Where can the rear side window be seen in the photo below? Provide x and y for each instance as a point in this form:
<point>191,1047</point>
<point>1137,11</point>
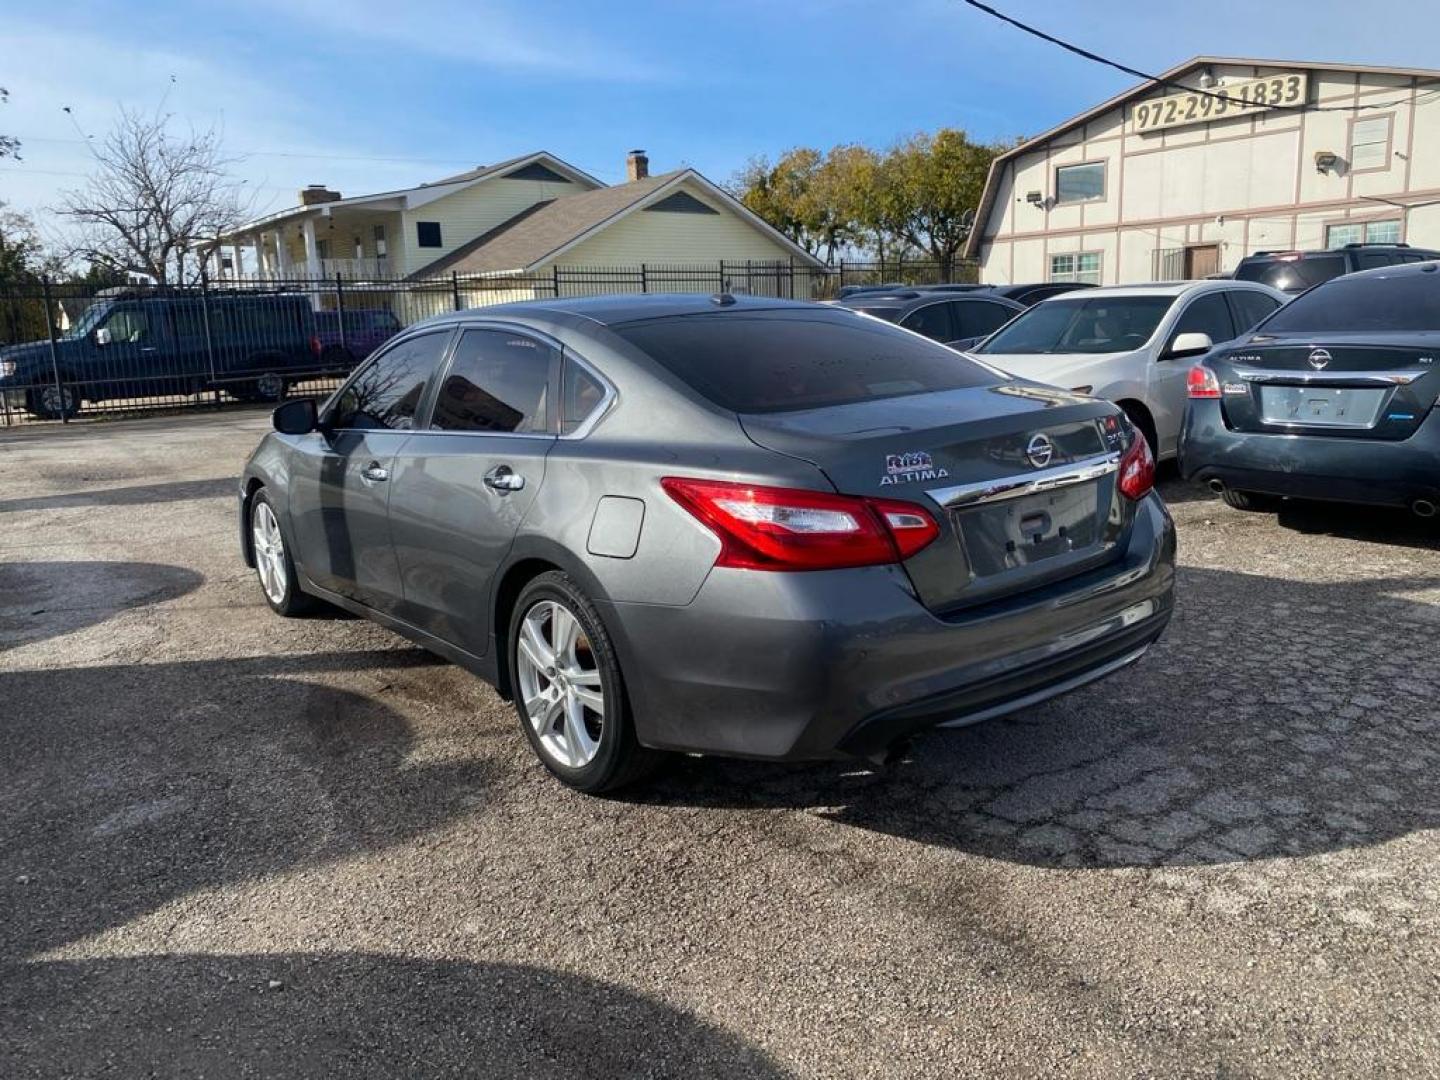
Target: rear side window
<point>388,390</point>
<point>581,395</point>
<point>789,359</point>
<point>1407,301</point>
<point>1291,275</point>
<point>498,382</point>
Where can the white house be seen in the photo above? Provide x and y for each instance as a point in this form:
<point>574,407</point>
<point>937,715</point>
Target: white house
<point>1183,177</point>
<point>523,216</point>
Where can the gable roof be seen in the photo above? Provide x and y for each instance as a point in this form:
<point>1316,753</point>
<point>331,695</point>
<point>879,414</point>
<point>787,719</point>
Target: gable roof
<point>547,229</point>
<point>987,198</point>
<point>431,190</point>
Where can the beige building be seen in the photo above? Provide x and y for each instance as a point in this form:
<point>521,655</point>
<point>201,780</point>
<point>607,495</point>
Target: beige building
<point>1220,158</point>
<point>525,217</point>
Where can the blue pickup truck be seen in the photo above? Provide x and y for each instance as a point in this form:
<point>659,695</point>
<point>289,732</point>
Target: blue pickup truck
<point>134,343</point>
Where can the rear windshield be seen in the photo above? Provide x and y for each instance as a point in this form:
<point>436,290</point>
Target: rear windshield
<point>1100,324</point>
<point>789,359</point>
<point>1291,275</point>
<point>1405,301</point>
<point>889,314</point>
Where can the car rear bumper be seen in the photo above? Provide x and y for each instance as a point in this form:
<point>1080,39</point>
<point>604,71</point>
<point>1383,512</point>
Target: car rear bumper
<point>1380,472</point>
<point>819,665</point>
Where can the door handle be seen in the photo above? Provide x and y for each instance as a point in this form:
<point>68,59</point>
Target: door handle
<point>375,472</point>
<point>504,480</point>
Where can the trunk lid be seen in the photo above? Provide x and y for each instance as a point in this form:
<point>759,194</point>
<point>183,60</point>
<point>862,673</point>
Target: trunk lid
<point>1346,386</point>
<point>1020,477</point>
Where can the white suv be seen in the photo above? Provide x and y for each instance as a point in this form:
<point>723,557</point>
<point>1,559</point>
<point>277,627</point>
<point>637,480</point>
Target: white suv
<point>1132,344</point>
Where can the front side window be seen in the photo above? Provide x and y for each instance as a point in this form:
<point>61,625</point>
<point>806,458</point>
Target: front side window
<point>1208,314</point>
<point>1250,307</point>
<point>387,392</point>
<point>932,320</point>
<point>1096,325</point>
<point>1402,301</point>
<point>1080,183</point>
<point>497,382</point>
<point>1370,143</point>
<point>128,326</point>
<point>1082,267</point>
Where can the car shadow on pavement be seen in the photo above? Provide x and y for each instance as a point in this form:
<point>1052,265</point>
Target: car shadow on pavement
<point>136,495</point>
<point>40,600</point>
<point>351,1015</point>
<point>1372,524</point>
<point>1276,719</point>
<point>127,786</point>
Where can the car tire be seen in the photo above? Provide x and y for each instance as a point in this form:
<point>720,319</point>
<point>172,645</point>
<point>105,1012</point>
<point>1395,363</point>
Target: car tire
<point>269,387</point>
<point>1145,425</point>
<point>1249,501</point>
<point>274,567</point>
<point>49,403</point>
<point>568,689</point>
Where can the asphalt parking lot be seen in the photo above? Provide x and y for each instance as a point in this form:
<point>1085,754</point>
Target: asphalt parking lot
<point>232,844</point>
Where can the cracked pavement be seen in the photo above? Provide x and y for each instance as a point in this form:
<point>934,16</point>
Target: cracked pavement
<point>237,845</point>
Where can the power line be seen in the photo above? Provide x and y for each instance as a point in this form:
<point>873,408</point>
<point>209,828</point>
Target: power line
<point>1159,81</point>
<point>285,153</point>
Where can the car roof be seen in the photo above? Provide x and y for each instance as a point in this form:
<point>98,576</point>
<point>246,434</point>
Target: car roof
<point>920,296</point>
<point>617,308</point>
<point>1160,288</point>
<point>1399,270</point>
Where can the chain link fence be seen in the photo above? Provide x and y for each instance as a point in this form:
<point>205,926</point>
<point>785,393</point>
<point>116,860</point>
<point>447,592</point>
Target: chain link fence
<point>75,352</point>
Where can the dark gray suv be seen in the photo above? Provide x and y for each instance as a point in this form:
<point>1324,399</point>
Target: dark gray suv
<point>726,526</point>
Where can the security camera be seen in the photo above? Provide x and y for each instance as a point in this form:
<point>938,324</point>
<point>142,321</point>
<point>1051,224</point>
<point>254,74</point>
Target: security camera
<point>1325,160</point>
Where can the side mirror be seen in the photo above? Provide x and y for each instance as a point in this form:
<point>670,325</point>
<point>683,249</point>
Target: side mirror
<point>102,336</point>
<point>1189,344</point>
<point>298,417</point>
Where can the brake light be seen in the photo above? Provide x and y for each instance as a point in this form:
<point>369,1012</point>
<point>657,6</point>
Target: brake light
<point>1137,468</point>
<point>316,346</point>
<point>774,528</point>
<point>1200,382</point>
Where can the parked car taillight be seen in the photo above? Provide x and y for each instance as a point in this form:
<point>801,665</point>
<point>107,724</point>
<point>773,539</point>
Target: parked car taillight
<point>1201,382</point>
<point>1137,468</point>
<point>316,346</point>
<point>772,528</point>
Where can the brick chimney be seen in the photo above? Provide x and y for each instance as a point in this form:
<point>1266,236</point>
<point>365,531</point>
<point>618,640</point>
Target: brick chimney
<point>316,194</point>
<point>637,165</point>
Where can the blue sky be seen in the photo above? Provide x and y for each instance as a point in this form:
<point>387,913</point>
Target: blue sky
<point>366,96</point>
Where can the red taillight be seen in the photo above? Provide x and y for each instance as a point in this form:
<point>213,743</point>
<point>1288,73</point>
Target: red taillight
<point>1137,468</point>
<point>316,346</point>
<point>772,528</point>
<point>1201,382</point>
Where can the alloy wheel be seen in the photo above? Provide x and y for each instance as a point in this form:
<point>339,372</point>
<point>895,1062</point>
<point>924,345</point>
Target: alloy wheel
<point>58,401</point>
<point>560,684</point>
<point>269,552</point>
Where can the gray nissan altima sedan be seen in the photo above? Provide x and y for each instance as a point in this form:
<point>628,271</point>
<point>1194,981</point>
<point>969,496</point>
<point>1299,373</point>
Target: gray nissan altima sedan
<point>721,525</point>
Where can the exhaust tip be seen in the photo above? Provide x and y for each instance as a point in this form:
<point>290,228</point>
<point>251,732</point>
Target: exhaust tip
<point>1423,508</point>
<point>1217,486</point>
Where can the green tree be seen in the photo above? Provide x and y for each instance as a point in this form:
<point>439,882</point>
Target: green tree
<point>928,189</point>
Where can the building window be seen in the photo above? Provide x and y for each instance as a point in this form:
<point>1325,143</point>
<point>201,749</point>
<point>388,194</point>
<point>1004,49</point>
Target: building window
<point>1080,183</point>
<point>1083,267</point>
<point>427,234</point>
<point>379,235</point>
<point>1362,232</point>
<point>322,249</point>
<point>1370,144</point>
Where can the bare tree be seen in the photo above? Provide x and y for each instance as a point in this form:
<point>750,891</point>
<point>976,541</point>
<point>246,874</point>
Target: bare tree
<point>156,200</point>
<point>9,145</point>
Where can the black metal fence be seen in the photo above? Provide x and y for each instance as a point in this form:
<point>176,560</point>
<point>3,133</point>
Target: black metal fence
<point>71,351</point>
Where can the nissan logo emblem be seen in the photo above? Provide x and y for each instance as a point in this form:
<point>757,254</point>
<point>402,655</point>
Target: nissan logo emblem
<point>1319,358</point>
<point>1039,450</point>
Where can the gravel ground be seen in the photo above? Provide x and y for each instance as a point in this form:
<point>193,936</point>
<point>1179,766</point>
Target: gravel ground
<point>232,844</point>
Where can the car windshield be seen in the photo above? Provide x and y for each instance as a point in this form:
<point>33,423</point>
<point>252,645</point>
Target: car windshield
<point>1292,274</point>
<point>87,322</point>
<point>1095,324</point>
<point>1408,302</point>
<point>800,358</point>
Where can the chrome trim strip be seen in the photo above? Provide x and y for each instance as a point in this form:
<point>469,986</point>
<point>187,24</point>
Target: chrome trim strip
<point>1303,378</point>
<point>1014,487</point>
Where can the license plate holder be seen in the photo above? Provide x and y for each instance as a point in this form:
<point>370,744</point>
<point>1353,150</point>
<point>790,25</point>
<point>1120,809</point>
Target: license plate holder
<point>1024,531</point>
<point>1321,406</point>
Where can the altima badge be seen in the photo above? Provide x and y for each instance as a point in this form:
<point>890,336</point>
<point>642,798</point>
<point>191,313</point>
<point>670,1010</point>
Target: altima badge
<point>1039,450</point>
<point>1319,358</point>
<point>911,466</point>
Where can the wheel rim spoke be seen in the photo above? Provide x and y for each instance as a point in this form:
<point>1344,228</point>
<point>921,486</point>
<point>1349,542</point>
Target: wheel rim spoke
<point>578,742</point>
<point>269,553</point>
<point>560,689</point>
<point>591,699</point>
<point>564,632</point>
